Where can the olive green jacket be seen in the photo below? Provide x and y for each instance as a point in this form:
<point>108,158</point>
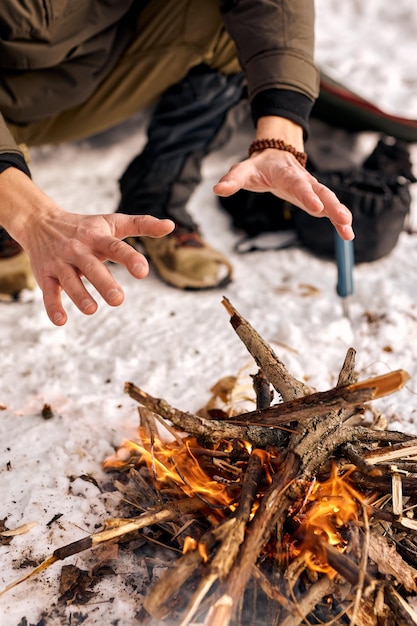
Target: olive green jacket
<point>53,53</point>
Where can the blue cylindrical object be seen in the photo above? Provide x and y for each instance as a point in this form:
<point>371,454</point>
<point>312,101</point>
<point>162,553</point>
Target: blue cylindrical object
<point>345,262</point>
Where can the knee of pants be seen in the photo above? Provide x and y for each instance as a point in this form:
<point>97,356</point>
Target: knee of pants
<point>194,24</point>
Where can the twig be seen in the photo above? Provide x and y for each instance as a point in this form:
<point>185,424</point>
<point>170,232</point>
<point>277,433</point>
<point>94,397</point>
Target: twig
<point>344,565</point>
<point>171,511</point>
<point>350,453</point>
<point>362,568</point>
<point>275,371</point>
<point>226,554</point>
<point>262,390</point>
<point>274,503</point>
<point>323,587</point>
<point>271,591</point>
<point>210,430</point>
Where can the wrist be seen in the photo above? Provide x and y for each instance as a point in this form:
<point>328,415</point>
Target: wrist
<point>259,145</point>
<point>22,203</point>
<point>274,127</point>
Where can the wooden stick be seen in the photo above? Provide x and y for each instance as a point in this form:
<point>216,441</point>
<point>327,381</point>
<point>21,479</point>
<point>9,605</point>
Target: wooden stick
<point>400,451</point>
<point>157,597</point>
<point>314,405</point>
<point>171,511</point>
<point>271,590</point>
<point>367,435</point>
<point>274,504</point>
<point>262,390</point>
<point>226,554</point>
<point>274,370</point>
<point>403,612</point>
<point>323,587</point>
<point>344,565</point>
<point>230,534</point>
<point>210,430</point>
<point>322,402</point>
<point>350,453</point>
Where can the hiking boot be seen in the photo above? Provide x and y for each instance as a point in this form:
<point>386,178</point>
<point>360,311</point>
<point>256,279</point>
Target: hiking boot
<point>15,271</point>
<point>183,260</point>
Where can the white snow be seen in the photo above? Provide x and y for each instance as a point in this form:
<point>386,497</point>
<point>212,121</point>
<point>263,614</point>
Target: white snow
<point>177,344</point>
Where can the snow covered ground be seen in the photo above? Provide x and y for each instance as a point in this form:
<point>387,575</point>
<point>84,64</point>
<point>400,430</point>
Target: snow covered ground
<point>177,344</point>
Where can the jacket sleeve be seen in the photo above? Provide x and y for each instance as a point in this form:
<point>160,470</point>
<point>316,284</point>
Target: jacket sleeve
<point>275,45</point>
<point>10,153</point>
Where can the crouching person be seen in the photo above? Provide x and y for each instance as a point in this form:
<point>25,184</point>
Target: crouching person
<point>70,71</point>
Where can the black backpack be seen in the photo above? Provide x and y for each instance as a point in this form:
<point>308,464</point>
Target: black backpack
<point>377,193</point>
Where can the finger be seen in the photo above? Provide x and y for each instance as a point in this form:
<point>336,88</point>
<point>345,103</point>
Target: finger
<point>346,232</point>
<point>139,225</point>
<point>338,213</point>
<point>320,201</point>
<point>70,282</point>
<point>102,279</point>
<point>113,249</point>
<point>52,301</point>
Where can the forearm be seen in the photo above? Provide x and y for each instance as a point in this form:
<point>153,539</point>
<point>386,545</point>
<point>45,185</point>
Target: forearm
<point>275,43</point>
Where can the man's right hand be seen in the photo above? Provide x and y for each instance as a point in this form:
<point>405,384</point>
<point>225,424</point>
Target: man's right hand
<point>64,247</point>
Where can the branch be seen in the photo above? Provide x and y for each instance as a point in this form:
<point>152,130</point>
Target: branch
<point>210,430</point>
<point>275,371</point>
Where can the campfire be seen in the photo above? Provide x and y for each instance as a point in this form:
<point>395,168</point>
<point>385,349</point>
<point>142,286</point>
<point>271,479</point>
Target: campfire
<point>293,512</point>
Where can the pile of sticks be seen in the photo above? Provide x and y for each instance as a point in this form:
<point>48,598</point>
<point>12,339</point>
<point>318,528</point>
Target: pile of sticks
<point>239,530</point>
<point>239,567</point>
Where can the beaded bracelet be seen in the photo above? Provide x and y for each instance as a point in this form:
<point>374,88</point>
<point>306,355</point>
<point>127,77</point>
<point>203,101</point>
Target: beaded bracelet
<point>278,144</point>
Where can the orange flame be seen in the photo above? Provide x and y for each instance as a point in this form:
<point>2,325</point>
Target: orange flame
<point>330,506</point>
<point>190,544</point>
<point>173,461</point>
<point>323,518</point>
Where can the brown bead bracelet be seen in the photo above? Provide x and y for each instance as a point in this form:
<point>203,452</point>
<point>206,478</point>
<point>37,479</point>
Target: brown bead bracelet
<point>278,144</point>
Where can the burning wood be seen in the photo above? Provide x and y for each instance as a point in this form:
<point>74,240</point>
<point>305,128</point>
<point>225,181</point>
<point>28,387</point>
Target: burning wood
<point>291,513</point>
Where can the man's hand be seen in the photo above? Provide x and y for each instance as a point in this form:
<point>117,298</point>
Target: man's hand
<point>280,173</point>
<point>65,247</point>
<point>75,246</point>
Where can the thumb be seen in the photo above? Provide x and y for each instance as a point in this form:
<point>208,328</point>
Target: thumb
<point>226,187</point>
<point>231,182</point>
